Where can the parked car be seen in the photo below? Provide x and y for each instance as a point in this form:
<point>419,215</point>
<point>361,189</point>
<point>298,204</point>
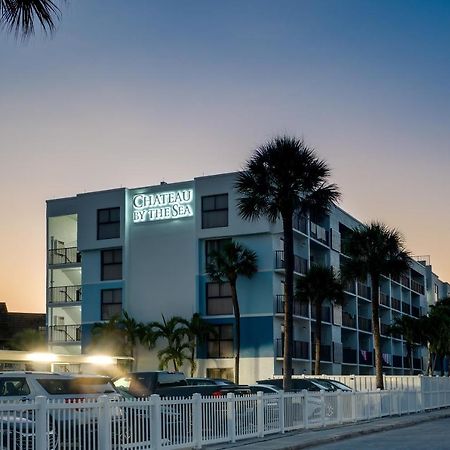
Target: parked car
<point>209,382</point>
<point>298,384</point>
<point>332,385</point>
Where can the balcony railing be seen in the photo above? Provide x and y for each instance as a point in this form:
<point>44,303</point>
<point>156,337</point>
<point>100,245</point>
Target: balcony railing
<point>325,352</point>
<point>417,287</point>
<point>384,299</point>
<point>300,264</point>
<point>299,308</point>
<point>396,303</point>
<point>64,294</point>
<point>349,355</point>
<point>406,308</point>
<point>348,320</point>
<point>365,324</point>
<point>318,233</point>
<point>300,223</point>
<point>326,313</point>
<point>64,333</point>
<point>364,290</point>
<point>365,358</point>
<point>404,280</point>
<point>300,350</point>
<point>66,255</point>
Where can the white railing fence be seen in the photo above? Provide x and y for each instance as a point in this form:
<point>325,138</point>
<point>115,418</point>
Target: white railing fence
<point>171,423</point>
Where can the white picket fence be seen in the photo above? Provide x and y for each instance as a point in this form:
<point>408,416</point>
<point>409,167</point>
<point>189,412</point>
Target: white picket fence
<point>172,423</point>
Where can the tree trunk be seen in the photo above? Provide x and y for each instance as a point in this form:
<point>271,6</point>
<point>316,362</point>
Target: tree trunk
<point>288,300</point>
<point>192,361</point>
<point>317,336</point>
<point>376,330</point>
<point>410,357</point>
<point>237,334</point>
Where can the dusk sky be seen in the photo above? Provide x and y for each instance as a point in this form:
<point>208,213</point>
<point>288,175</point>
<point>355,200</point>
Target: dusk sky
<point>132,93</point>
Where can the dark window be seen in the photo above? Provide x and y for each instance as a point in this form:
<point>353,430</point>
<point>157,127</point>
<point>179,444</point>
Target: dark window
<point>218,299</point>
<point>112,264</point>
<point>10,387</point>
<point>214,245</point>
<point>111,303</point>
<point>220,344</point>
<point>108,223</point>
<point>215,211</point>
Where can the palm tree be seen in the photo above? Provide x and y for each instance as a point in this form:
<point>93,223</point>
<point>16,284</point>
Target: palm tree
<point>20,16</point>
<point>197,331</point>
<point>227,265</point>
<point>132,331</point>
<point>108,337</point>
<point>411,330</point>
<point>174,333</point>
<point>284,177</point>
<point>375,250</point>
<point>318,285</point>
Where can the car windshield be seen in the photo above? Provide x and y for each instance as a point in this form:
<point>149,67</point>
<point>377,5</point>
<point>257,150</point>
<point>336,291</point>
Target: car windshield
<point>76,386</point>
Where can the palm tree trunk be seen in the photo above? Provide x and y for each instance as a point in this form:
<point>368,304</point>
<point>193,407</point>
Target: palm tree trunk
<point>288,299</point>
<point>192,361</point>
<point>410,357</point>
<point>376,330</point>
<point>237,335</point>
<point>317,337</point>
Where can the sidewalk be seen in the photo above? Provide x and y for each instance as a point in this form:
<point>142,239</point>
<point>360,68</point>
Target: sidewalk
<point>319,436</point>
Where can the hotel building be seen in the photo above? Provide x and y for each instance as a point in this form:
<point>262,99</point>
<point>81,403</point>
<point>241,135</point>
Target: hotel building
<point>144,250</point>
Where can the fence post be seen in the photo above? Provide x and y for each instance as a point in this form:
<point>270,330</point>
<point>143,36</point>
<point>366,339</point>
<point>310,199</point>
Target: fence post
<point>340,406</point>
<point>104,422</point>
<point>231,417</point>
<point>282,406</point>
<point>322,409</point>
<point>41,422</point>
<point>354,415</point>
<point>305,408</point>
<point>155,422</point>
<point>197,420</point>
<point>260,413</point>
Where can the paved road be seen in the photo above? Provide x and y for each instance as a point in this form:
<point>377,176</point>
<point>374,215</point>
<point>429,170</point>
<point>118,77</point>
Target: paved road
<point>430,435</point>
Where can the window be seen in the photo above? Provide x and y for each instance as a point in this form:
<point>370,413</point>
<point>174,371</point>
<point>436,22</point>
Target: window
<point>111,303</point>
<point>223,373</point>
<point>214,245</point>
<point>218,299</point>
<point>215,211</point>
<point>112,264</point>
<point>10,387</point>
<point>220,344</point>
<point>108,223</point>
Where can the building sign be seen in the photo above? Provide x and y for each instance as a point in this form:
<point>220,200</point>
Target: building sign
<point>163,205</point>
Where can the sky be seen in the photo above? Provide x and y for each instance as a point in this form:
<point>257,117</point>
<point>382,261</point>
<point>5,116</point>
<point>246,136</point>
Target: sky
<point>133,93</point>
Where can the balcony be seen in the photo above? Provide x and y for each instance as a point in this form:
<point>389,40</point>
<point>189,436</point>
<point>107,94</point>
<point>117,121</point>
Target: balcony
<point>406,308</point>
<point>417,287</point>
<point>325,353</point>
<point>300,350</point>
<point>326,313</point>
<point>405,281</point>
<point>384,329</point>
<point>349,355</point>
<point>384,299</point>
<point>365,324</point>
<point>64,294</point>
<point>396,303</point>
<point>364,291</point>
<point>319,233</point>
<point>348,320</point>
<point>64,333</point>
<point>365,358</point>
<point>397,360</point>
<point>299,308</point>
<point>300,264</point>
<point>65,255</point>
<point>300,223</point>
<point>415,311</point>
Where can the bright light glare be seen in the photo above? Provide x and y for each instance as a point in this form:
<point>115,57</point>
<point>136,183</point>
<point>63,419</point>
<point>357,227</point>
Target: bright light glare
<point>100,360</point>
<point>42,357</point>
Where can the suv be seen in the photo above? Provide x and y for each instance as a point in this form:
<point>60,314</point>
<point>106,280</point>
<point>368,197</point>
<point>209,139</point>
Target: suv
<point>17,427</point>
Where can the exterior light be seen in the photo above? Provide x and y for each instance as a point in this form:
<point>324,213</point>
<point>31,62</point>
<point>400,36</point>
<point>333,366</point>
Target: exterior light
<point>42,357</point>
<point>100,360</point>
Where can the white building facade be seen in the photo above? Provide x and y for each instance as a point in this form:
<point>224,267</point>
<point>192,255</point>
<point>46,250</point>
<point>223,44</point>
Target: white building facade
<point>144,251</point>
